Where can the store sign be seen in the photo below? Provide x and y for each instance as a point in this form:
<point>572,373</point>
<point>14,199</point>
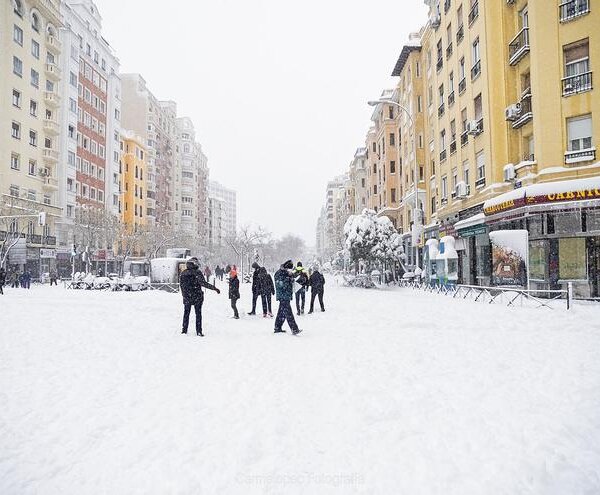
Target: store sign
<point>543,199</point>
<point>510,257</point>
<point>473,230</point>
<point>48,253</point>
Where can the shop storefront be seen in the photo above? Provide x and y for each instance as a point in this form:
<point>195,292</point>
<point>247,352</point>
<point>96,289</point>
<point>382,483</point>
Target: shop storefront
<point>473,246</point>
<point>563,223</point>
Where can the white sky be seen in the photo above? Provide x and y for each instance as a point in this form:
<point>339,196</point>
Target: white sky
<point>277,89</point>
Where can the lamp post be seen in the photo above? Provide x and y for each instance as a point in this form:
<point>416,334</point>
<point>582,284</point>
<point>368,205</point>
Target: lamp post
<point>417,212</point>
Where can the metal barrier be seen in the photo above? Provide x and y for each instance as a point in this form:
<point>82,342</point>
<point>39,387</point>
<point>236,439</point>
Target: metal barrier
<point>508,296</point>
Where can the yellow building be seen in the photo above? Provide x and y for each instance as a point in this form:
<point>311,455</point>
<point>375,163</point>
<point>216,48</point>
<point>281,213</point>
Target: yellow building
<point>133,167</point>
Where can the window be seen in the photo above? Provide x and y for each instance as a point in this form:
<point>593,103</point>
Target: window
<point>454,178</point>
<point>475,52</point>
<point>393,191</point>
<point>35,22</point>
<point>443,140</point>
<point>33,138</point>
<point>579,131</point>
<point>71,131</point>
<point>16,98</point>
<point>480,159</point>
<point>35,49</point>
<point>374,188</point>
<point>16,130</point>
<point>392,139</point>
<point>15,161</point>
<point>463,118</point>
<point>18,8</point>
<point>419,104</point>
<point>374,147</point>
<point>35,78</point>
<point>18,35</point>
<point>578,77</point>
<point>461,68</point>
<point>451,83</point>
<point>374,168</point>
<point>466,172</point>
<point>444,187</point>
<point>17,66</point>
<point>392,167</point>
<point>33,108</point>
<point>32,167</point>
<point>478,107</point>
<point>73,79</point>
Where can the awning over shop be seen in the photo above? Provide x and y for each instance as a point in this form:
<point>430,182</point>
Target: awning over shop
<point>545,193</point>
<point>471,226</point>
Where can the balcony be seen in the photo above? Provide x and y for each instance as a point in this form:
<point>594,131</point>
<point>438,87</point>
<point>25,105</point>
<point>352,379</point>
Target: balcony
<point>577,156</point>
<point>464,139</point>
<point>579,83</point>
<point>476,70</point>
<point>480,126</point>
<point>441,110</point>
<point>446,6</point>
<point>442,155</point>
<point>50,155</point>
<point>50,184</point>
<point>439,64</point>
<point>480,182</point>
<point>474,13</point>
<point>525,115</point>
<point>52,99</point>
<point>50,241</point>
<point>453,147</point>
<point>34,239</point>
<point>460,34</point>
<point>52,71</point>
<point>448,51</point>
<point>573,9</point>
<point>518,47</point>
<point>53,42</point>
<point>444,201</point>
<point>51,128</point>
<point>451,99</point>
<point>462,85</point>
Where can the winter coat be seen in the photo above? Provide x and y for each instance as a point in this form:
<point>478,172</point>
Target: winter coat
<point>256,281</point>
<point>284,284</point>
<point>302,277</point>
<point>2,277</point>
<point>191,282</point>
<point>317,282</point>
<point>266,283</point>
<point>234,288</point>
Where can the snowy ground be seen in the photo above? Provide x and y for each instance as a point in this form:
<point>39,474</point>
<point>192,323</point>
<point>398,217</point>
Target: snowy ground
<point>387,392</point>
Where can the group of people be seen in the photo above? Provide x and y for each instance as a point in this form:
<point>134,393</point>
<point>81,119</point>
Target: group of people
<point>289,280</point>
<point>15,280</point>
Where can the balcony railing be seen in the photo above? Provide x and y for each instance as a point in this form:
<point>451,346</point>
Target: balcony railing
<point>572,9</point>
<point>52,99</point>
<point>33,239</point>
<point>50,184</point>
<point>476,70</point>
<point>480,126</point>
<point>442,155</point>
<point>50,240</point>
<point>480,182</point>
<point>525,115</point>
<point>51,127</point>
<point>453,147</point>
<point>519,46</point>
<point>474,13</point>
<point>451,99</point>
<point>441,110</point>
<point>580,156</point>
<point>578,83</point>
<point>448,51</point>
<point>52,71</point>
<point>464,138</point>
<point>460,34</point>
<point>462,85</point>
<point>50,155</point>
<point>53,42</point>
<point>440,64</point>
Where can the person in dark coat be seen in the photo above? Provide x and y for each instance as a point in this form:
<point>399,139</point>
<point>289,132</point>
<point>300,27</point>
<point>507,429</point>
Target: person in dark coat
<point>284,289</point>
<point>255,286</point>
<point>15,280</point>
<point>53,278</point>
<point>219,272</point>
<point>267,290</point>
<point>234,292</point>
<point>2,280</point>
<point>302,280</point>
<point>191,282</point>
<point>317,285</point>
<point>26,280</point>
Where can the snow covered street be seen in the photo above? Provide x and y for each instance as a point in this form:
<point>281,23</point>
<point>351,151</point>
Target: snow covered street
<point>389,391</point>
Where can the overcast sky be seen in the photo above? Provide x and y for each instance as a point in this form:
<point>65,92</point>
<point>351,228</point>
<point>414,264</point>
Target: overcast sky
<point>277,89</point>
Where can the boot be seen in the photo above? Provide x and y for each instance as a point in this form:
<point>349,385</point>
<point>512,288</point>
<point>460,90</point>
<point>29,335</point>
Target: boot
<point>280,330</point>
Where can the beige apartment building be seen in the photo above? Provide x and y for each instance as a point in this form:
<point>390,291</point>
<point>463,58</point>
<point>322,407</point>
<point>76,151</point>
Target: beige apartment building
<point>30,50</point>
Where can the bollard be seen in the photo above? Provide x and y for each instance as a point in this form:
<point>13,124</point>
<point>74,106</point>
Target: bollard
<point>569,294</point>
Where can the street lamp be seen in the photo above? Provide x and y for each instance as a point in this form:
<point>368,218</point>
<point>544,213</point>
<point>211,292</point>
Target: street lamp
<point>417,212</point>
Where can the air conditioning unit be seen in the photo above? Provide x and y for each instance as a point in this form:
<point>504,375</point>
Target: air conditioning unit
<point>509,172</point>
<point>461,189</point>
<point>513,111</point>
<point>472,127</point>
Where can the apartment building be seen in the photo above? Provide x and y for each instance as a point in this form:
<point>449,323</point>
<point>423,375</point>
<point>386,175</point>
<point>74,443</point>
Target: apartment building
<point>358,177</point>
<point>154,121</point>
<point>229,198</point>
<point>134,174</point>
<point>30,128</point>
<point>217,221</point>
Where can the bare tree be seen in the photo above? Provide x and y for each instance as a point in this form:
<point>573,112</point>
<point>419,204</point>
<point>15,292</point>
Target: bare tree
<point>11,228</point>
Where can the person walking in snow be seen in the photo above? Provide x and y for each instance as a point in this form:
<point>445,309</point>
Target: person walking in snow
<point>284,289</point>
<point>302,280</point>
<point>267,290</point>
<point>317,285</point>
<point>53,278</point>
<point>191,282</point>
<point>255,286</point>
<point>26,282</point>
<point>234,292</point>
<point>2,280</point>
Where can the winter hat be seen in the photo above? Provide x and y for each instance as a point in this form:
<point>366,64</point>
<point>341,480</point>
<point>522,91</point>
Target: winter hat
<point>289,264</point>
<point>299,264</point>
<point>194,261</point>
<point>255,265</point>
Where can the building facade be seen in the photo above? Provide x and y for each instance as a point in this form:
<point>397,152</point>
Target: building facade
<point>134,173</point>
<point>229,198</point>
